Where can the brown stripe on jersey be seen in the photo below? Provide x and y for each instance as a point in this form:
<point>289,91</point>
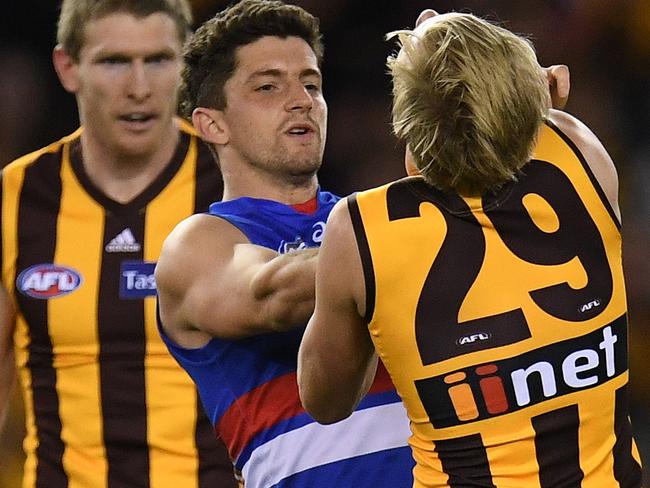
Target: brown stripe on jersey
<point>215,467</point>
<point>589,172</point>
<point>209,184</point>
<point>121,358</point>
<point>465,461</point>
<point>37,215</point>
<point>364,252</point>
<point>557,448</point>
<point>626,470</point>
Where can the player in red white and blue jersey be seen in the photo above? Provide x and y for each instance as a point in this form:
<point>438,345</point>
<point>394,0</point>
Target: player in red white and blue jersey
<point>249,389</point>
<point>236,285</point>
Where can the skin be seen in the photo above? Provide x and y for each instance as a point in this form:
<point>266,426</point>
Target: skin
<point>270,140</point>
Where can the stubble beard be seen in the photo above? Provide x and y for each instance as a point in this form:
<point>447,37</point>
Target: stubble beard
<point>295,166</point>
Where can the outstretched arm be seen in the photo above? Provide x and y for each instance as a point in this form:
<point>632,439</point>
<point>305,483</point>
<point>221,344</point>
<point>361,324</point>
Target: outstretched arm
<point>212,282</point>
<point>337,361</point>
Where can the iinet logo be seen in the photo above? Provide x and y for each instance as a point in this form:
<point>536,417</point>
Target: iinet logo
<point>497,388</point>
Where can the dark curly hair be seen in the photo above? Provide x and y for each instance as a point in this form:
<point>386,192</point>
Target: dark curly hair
<point>210,54</point>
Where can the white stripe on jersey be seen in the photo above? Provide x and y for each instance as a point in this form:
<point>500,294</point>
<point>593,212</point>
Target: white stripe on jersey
<point>313,445</point>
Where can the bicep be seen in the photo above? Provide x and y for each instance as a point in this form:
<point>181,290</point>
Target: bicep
<point>203,282</point>
<point>214,281</point>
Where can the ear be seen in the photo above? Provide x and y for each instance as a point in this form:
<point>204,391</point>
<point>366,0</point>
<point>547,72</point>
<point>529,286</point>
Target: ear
<point>409,164</point>
<point>211,125</point>
<point>66,68</point>
<point>424,15</point>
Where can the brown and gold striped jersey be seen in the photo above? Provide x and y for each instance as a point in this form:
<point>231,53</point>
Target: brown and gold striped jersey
<point>105,404</point>
<point>502,322</point>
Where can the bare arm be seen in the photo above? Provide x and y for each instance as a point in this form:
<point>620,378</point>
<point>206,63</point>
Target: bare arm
<point>337,360</point>
<point>7,365</point>
<point>212,282</point>
<point>595,154</point>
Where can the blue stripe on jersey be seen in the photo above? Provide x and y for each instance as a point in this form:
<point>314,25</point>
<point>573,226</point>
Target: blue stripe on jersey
<point>368,470</point>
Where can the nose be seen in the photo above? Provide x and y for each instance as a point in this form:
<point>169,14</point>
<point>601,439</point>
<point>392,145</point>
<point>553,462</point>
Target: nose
<point>300,99</point>
<point>139,86</point>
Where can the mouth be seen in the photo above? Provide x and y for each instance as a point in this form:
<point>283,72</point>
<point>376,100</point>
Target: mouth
<point>137,119</point>
<point>301,130</point>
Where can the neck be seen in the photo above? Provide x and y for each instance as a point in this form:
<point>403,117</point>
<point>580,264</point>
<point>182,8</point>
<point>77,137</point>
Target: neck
<point>245,180</point>
<point>287,192</point>
<point>122,176</point>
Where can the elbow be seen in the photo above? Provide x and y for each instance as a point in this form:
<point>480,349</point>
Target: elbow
<point>327,417</point>
<point>321,409</point>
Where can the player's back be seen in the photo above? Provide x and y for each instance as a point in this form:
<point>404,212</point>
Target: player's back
<point>502,322</point>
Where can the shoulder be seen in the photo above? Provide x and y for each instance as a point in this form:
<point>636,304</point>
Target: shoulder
<point>53,149</point>
<point>579,134</point>
<point>592,150</point>
<point>198,243</point>
<point>202,232</point>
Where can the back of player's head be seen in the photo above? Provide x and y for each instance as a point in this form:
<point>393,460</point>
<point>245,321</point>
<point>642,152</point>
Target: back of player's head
<point>210,56</point>
<point>75,14</point>
<point>468,98</point>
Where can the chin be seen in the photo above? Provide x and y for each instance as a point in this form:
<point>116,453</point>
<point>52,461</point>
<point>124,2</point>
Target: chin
<point>138,148</point>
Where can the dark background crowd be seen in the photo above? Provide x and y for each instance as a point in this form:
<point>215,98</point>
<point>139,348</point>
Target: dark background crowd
<point>606,44</point>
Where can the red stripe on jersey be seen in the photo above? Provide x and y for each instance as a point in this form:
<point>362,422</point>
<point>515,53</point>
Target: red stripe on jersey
<point>270,403</point>
<point>259,409</point>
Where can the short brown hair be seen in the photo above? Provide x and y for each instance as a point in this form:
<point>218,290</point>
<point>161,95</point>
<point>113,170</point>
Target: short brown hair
<point>75,14</point>
<point>468,99</point>
<point>210,56</point>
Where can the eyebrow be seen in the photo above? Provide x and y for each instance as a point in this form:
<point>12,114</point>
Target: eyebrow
<point>276,73</point>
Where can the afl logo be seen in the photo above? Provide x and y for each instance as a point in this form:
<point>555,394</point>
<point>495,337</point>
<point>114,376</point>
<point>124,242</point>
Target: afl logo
<point>46,281</point>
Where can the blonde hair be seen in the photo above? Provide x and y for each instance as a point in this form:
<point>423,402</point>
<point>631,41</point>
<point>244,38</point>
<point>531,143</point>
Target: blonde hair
<point>468,99</point>
<point>76,14</point>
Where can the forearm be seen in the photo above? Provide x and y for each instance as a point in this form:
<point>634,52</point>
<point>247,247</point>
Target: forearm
<point>285,289</point>
<point>331,395</point>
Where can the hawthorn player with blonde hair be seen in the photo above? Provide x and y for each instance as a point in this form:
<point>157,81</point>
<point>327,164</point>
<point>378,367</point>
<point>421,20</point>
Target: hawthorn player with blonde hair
<point>489,282</point>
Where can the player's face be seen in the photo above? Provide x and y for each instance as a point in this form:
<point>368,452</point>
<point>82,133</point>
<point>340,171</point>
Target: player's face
<point>275,113</point>
<point>126,81</point>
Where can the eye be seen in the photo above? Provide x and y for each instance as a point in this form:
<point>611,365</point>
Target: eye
<point>267,87</point>
<point>313,87</point>
<point>113,60</point>
<point>158,59</point>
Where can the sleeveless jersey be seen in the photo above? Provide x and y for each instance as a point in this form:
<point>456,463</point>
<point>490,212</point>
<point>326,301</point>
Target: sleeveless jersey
<point>105,403</point>
<point>502,322</point>
<point>249,387</point>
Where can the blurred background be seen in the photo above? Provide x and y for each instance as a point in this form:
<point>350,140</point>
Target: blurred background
<point>606,44</point>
